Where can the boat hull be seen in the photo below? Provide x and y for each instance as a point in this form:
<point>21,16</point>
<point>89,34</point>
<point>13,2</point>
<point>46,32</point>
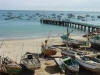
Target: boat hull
<point>70,64</point>
<point>88,66</point>
<point>49,52</point>
<point>66,54</point>
<point>30,61</point>
<point>95,44</point>
<point>13,70</point>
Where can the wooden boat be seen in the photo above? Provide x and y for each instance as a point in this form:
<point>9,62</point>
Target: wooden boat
<point>75,43</point>
<point>71,42</point>
<point>59,63</point>
<point>9,66</point>
<point>68,52</point>
<point>95,41</point>
<point>88,63</point>
<point>64,38</point>
<point>98,58</point>
<point>70,63</point>
<point>30,61</point>
<point>48,51</point>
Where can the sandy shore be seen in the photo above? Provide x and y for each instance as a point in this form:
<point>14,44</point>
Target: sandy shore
<point>17,47</point>
<point>14,49</point>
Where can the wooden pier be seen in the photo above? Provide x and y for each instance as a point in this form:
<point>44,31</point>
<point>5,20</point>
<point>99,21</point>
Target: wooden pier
<point>81,26</point>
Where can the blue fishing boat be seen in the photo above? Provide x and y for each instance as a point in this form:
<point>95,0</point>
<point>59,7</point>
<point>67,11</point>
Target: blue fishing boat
<point>68,63</point>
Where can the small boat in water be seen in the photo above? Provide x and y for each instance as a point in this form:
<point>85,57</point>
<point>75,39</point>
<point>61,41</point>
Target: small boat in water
<point>30,61</point>
<point>89,63</point>
<point>70,63</point>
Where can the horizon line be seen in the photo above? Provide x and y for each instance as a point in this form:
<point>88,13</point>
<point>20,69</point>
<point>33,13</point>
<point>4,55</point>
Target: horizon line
<point>51,10</point>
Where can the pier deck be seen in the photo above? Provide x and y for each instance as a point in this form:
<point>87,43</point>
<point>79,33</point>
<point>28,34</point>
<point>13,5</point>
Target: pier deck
<point>77,25</point>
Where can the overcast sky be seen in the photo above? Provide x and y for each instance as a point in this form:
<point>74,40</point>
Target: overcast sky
<point>62,5</point>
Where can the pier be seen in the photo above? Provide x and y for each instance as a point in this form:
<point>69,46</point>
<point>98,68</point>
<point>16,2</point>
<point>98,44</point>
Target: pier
<point>76,25</point>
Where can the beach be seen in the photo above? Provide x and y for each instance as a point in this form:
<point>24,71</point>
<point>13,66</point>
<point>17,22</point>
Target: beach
<point>15,48</point>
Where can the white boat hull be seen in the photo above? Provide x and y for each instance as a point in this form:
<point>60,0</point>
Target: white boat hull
<point>89,66</point>
<point>95,41</point>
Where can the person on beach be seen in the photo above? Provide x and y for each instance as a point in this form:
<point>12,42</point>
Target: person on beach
<point>46,46</point>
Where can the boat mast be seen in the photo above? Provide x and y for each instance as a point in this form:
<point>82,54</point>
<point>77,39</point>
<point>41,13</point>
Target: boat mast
<point>22,51</point>
<point>67,36</point>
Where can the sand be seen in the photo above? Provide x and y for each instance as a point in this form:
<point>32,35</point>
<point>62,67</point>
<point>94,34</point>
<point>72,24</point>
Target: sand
<point>15,48</point>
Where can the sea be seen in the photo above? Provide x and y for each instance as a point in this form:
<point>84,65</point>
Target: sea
<point>16,24</point>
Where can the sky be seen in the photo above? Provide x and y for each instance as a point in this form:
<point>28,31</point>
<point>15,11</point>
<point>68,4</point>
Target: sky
<point>55,5</point>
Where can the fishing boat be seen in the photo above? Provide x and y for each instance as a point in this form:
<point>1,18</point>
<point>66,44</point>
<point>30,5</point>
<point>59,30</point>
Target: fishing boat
<point>70,63</point>
<point>64,38</point>
<point>68,52</point>
<point>95,41</point>
<point>96,57</point>
<point>59,64</point>
<point>9,66</point>
<point>88,62</point>
<point>30,61</point>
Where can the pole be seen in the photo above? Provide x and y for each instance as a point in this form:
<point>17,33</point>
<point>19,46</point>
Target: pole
<point>22,51</point>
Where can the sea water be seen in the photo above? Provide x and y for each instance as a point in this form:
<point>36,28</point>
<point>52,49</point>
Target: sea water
<point>29,26</point>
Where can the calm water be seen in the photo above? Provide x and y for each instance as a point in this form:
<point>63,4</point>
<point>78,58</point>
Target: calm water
<point>26,24</point>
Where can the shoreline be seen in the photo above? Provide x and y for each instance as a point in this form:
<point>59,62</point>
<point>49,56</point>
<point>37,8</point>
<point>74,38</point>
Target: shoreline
<point>25,38</point>
<point>37,37</point>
